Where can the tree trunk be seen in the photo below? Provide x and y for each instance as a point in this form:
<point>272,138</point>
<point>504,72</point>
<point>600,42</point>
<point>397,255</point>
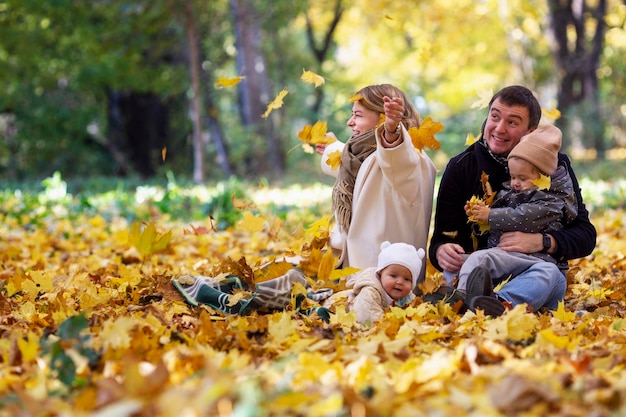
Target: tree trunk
<point>196,107</point>
<point>578,58</point>
<point>321,52</point>
<point>254,91</point>
<point>137,130</point>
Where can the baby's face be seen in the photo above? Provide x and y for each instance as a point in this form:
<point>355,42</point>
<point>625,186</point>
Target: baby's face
<point>396,281</point>
<point>522,174</point>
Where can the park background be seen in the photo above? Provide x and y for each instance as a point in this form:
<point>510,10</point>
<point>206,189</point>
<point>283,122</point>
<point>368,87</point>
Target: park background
<point>127,159</point>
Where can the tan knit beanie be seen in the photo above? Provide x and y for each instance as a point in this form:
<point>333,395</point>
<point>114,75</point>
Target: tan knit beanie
<point>540,148</point>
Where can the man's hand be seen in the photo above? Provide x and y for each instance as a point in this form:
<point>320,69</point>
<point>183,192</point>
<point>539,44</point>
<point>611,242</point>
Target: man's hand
<point>521,242</point>
<point>450,257</point>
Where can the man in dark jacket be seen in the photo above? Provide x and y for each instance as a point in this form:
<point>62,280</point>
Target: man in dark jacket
<point>513,112</point>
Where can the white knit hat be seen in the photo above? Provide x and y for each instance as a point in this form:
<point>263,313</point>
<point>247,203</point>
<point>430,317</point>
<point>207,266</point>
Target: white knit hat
<point>401,254</point>
<point>540,148</point>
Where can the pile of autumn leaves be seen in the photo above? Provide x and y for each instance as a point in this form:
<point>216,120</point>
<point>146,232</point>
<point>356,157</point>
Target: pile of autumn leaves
<point>90,325</point>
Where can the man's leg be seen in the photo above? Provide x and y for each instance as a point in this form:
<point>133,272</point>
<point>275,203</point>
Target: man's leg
<point>541,285</point>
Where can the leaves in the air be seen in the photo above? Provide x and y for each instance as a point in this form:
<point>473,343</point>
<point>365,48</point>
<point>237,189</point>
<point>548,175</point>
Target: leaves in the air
<point>315,134</point>
<point>471,139</point>
<point>228,82</point>
<point>277,103</point>
<point>312,78</point>
<point>484,97</point>
<point>424,136</point>
<point>552,114</point>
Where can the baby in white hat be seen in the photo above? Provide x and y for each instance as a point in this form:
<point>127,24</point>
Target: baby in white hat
<point>390,283</point>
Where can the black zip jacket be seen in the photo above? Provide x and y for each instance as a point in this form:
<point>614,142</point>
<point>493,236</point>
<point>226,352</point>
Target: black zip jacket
<point>461,181</point>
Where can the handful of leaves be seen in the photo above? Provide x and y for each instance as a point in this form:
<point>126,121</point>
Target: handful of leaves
<point>485,200</point>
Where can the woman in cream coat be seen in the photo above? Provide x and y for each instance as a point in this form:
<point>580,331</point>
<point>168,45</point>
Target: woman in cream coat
<point>384,185</point>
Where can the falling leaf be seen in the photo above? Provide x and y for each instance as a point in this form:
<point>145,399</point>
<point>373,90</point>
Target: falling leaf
<point>388,17</point>
<point>542,183</point>
<point>240,204</point>
<point>484,97</point>
<point>424,136</point>
<point>276,104</point>
<point>334,160</point>
<point>228,82</point>
<point>163,153</point>
<point>551,114</point>
<point>470,139</point>
<point>312,78</point>
<point>315,134</point>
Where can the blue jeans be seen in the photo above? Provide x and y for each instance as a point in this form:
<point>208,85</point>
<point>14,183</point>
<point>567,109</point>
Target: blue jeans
<point>541,285</point>
<point>534,281</point>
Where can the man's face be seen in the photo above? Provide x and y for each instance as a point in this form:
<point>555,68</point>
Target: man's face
<point>505,127</point>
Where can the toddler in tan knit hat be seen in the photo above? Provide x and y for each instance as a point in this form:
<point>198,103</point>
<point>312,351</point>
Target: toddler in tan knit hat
<point>535,154</point>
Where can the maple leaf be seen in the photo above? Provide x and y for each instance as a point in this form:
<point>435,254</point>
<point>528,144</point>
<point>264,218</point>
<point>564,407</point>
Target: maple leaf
<point>470,139</point>
<point>563,315</point>
<point>343,272</point>
<point>542,183</point>
<point>315,134</point>
<point>355,97</point>
<point>484,97</point>
<point>424,136</point>
<point>198,231</point>
<point>334,160</point>
<point>312,78</point>
<point>228,82</point>
<point>252,223</point>
<point>547,336</point>
<point>147,240</point>
<point>241,204</point>
<point>551,114</point>
<point>326,266</point>
<point>488,194</point>
<point>277,103</point>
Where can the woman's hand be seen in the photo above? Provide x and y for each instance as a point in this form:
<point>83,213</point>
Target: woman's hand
<point>394,110</point>
<point>321,147</point>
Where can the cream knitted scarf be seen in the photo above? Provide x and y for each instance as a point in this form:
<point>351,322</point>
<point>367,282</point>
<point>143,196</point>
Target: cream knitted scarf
<point>357,149</point>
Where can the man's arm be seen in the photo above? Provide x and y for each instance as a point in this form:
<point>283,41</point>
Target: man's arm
<point>451,224</point>
<point>578,238</point>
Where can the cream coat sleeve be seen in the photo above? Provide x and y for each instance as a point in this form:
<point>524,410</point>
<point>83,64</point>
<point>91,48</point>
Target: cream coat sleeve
<point>327,169</point>
<point>368,305</point>
<point>402,165</point>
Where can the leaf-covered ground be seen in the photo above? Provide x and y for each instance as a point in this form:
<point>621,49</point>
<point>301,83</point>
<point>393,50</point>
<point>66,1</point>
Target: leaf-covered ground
<point>91,326</point>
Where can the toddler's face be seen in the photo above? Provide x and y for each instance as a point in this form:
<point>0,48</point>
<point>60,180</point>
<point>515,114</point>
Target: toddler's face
<point>396,281</point>
<point>522,174</point>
